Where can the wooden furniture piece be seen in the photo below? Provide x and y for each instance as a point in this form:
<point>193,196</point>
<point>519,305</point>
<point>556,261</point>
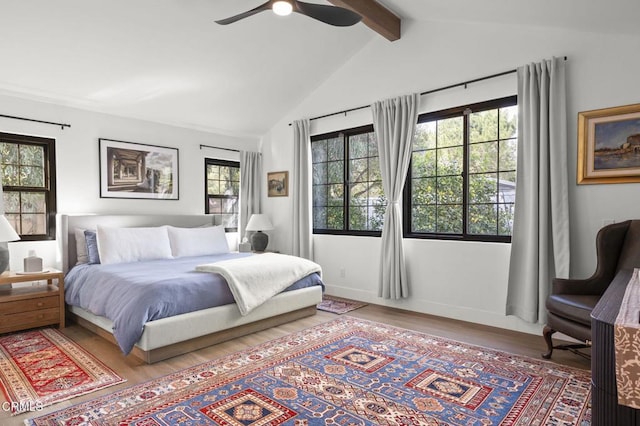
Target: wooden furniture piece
<point>31,306</point>
<point>605,408</point>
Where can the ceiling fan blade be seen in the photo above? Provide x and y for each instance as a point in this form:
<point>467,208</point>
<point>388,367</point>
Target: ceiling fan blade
<point>332,15</point>
<point>232,19</point>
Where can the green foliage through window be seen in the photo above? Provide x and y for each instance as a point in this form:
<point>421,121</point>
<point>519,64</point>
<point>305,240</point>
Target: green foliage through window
<point>222,186</point>
<point>463,173</point>
<point>28,178</point>
<point>347,186</point>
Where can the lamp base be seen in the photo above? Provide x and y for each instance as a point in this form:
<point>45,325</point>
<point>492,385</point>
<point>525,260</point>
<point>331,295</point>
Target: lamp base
<point>259,241</point>
<point>4,257</point>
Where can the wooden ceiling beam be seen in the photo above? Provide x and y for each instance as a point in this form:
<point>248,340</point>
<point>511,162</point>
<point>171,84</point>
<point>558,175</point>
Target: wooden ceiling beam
<point>375,16</point>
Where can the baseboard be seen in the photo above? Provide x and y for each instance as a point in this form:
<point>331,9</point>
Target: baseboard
<point>462,313</point>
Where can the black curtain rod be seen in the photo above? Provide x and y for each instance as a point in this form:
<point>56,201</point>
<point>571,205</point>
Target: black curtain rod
<point>217,147</point>
<point>428,92</point>
<point>62,125</point>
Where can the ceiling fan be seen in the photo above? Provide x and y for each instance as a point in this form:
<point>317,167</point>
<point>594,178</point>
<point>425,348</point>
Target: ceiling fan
<point>332,15</point>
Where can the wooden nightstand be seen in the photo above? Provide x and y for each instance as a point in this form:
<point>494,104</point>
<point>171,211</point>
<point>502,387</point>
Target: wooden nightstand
<point>35,306</point>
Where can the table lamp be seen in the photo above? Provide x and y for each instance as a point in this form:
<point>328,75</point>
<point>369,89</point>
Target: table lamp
<point>259,223</point>
<point>7,233</point>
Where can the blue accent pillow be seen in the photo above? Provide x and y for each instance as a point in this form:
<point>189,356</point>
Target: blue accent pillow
<point>93,256</point>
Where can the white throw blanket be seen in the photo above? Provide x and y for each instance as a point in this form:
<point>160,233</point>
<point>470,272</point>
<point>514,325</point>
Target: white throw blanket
<point>255,279</point>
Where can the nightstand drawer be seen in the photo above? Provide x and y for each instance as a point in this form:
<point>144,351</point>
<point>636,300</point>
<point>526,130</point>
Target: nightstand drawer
<point>29,319</point>
<point>35,304</point>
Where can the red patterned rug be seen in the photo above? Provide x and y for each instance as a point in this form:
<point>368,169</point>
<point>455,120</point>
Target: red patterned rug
<point>338,305</point>
<point>42,367</point>
<point>350,372</point>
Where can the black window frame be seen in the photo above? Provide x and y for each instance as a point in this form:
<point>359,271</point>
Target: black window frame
<point>49,189</point>
<point>407,194</point>
<point>207,196</point>
<point>345,135</point>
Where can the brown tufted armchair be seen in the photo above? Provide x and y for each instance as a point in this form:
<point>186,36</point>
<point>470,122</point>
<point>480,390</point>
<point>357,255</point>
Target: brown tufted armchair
<point>571,301</point>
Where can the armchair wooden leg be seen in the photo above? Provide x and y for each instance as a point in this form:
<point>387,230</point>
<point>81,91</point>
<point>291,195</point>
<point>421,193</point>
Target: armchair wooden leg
<point>546,333</point>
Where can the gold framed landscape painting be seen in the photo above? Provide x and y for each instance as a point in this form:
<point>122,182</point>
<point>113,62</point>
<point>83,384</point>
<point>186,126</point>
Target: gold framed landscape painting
<point>278,184</point>
<point>609,145</point>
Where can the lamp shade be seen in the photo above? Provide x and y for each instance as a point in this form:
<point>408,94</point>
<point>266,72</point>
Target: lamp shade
<point>7,233</point>
<point>259,222</point>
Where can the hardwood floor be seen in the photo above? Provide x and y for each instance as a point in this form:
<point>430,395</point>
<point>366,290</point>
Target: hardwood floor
<point>137,372</point>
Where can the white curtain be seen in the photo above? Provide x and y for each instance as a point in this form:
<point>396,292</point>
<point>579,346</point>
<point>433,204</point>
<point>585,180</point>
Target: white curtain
<point>540,241</point>
<point>250,186</point>
<point>394,121</point>
<point>301,190</point>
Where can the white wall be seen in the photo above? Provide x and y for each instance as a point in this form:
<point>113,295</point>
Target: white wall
<point>78,183</point>
<point>463,280</point>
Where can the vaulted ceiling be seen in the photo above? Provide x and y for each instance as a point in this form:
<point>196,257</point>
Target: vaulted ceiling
<point>167,61</point>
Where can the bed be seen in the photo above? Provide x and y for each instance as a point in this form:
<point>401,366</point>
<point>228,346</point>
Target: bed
<point>183,332</point>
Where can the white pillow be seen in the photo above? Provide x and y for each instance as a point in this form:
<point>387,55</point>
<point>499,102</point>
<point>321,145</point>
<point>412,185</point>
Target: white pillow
<point>198,241</point>
<point>81,247</point>
<point>120,245</point>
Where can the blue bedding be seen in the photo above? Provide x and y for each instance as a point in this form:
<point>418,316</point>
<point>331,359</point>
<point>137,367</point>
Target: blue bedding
<point>131,294</point>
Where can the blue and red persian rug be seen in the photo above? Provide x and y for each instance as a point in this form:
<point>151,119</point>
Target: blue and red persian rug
<point>338,305</point>
<point>350,372</point>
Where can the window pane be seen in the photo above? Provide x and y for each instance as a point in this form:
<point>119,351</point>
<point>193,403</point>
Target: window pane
<point>507,187</point>
<point>508,122</point>
<point>423,163</point>
<point>32,155</point>
<point>450,161</point>
<point>508,154</point>
<point>483,157</point>
<point>335,218</point>
<point>425,137</point>
<point>483,219</point>
<point>423,191</point>
<point>359,194</point>
<point>373,144</point>
<point>9,153</point>
<point>33,224</point>
<point>34,202</point>
<point>423,219</point>
<point>358,218</point>
<point>505,219</point>
<point>335,150</point>
<point>319,173</point>
<point>213,187</point>
<point>320,217</point>
<point>483,188</point>
<point>10,176</point>
<point>11,201</point>
<point>14,221</point>
<point>336,172</point>
<point>374,169</point>
<point>319,195</point>
<point>319,151</point>
<point>225,175</point>
<point>213,172</point>
<point>358,146</point>
<point>450,132</point>
<point>336,195</point>
<point>449,219</point>
<point>215,205</point>
<point>358,170</point>
<point>450,190</point>
<point>483,126</point>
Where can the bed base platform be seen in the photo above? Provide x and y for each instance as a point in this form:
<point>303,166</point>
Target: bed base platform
<point>159,354</point>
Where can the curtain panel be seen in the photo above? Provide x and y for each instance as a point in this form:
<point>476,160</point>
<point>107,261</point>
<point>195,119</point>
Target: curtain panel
<point>250,186</point>
<point>394,121</point>
<point>301,191</point>
<point>540,239</point>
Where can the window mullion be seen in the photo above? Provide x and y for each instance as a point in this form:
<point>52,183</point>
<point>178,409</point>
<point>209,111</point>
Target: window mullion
<point>346,196</point>
<point>465,172</point>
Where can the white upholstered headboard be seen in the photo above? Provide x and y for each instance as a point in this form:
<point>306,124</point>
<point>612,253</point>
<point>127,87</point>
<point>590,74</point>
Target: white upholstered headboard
<point>68,223</point>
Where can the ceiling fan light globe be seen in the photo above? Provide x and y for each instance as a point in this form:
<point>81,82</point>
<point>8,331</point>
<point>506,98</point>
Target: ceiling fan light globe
<point>282,8</point>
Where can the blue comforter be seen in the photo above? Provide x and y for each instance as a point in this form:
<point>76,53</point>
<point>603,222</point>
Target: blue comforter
<point>131,294</point>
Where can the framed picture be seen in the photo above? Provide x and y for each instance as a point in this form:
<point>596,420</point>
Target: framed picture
<point>135,170</point>
<point>278,184</point>
<point>609,145</point>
